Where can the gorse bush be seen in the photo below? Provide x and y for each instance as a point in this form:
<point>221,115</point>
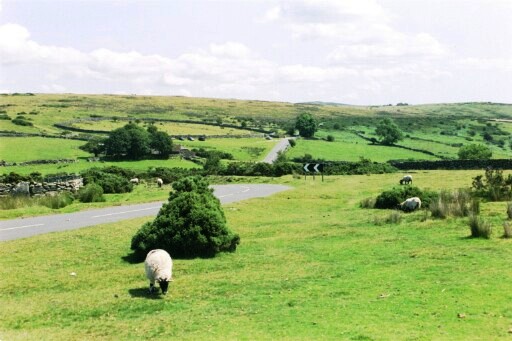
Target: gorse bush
<point>191,224</point>
<point>91,193</point>
<point>392,198</point>
<point>110,179</point>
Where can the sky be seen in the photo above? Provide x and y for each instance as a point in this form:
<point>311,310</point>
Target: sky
<point>363,52</point>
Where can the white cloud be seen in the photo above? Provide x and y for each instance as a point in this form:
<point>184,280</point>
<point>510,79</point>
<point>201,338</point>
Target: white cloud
<point>230,50</point>
<point>361,30</point>
<point>307,74</point>
<point>398,48</point>
<point>272,14</point>
<point>486,64</point>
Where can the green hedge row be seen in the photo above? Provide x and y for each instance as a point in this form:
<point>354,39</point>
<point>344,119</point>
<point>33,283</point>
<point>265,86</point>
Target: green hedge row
<point>453,164</point>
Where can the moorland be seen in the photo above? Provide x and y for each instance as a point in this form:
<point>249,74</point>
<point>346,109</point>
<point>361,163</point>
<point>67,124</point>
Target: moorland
<point>313,263</point>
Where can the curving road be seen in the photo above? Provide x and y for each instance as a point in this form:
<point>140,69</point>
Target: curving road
<point>281,146</point>
<point>27,227</point>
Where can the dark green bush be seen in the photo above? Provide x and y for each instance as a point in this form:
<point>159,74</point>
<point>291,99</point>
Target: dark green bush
<point>110,182</point>
<point>21,122</point>
<point>191,224</point>
<point>493,185</point>
<point>91,193</point>
<point>201,152</point>
<point>390,199</point>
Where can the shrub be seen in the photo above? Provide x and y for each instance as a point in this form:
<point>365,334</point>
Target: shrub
<point>392,198</point>
<point>507,230</point>
<point>480,228</point>
<point>330,138</point>
<point>191,224</point>
<point>91,193</point>
<point>21,122</point>
<point>109,182</point>
<point>474,152</point>
<point>293,143</point>
<point>493,185</point>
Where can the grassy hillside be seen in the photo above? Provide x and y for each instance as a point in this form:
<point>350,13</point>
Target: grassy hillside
<point>438,128</point>
<point>311,265</point>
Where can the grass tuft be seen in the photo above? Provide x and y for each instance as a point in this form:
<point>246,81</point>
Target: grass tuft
<point>480,228</point>
<point>507,230</point>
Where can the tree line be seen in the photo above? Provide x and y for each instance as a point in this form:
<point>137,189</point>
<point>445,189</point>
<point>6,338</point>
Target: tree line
<point>132,142</point>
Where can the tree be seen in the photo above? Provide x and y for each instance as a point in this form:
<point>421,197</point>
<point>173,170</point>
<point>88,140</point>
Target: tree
<point>161,142</point>
<point>95,145</point>
<point>191,224</point>
<point>474,152</point>
<point>130,142</point>
<point>306,125</point>
<point>388,132</point>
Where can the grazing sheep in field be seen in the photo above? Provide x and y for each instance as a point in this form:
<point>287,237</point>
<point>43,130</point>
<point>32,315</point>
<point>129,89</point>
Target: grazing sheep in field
<point>159,182</point>
<point>410,204</point>
<point>158,265</point>
<point>407,179</point>
<point>134,181</point>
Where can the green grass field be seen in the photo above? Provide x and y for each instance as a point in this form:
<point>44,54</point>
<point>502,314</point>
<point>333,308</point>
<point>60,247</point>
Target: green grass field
<point>352,151</point>
<point>19,149</point>
<point>174,128</point>
<point>440,128</point>
<point>311,265</point>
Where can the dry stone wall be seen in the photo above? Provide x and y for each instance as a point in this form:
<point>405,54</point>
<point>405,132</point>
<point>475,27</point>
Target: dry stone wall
<point>40,188</point>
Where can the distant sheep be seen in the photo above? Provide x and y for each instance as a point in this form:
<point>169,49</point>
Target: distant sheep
<point>410,204</point>
<point>159,182</point>
<point>158,265</point>
<point>134,181</point>
<point>406,180</point>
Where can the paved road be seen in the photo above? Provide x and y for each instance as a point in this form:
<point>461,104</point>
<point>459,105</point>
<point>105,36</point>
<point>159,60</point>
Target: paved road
<point>281,146</point>
<point>22,228</point>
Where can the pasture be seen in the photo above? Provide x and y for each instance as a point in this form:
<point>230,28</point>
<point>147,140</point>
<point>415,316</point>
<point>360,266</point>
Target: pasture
<point>439,128</point>
<point>19,149</point>
<point>311,264</point>
<point>171,128</point>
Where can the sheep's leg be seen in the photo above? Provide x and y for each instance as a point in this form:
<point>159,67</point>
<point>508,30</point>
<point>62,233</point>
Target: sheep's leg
<point>151,287</point>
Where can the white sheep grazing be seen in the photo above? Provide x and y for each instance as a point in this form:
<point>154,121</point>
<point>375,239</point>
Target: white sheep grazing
<point>134,181</point>
<point>158,265</point>
<point>407,179</point>
<point>410,204</point>
<point>159,182</point>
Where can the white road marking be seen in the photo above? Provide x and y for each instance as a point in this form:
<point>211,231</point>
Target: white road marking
<point>20,227</point>
<point>117,213</point>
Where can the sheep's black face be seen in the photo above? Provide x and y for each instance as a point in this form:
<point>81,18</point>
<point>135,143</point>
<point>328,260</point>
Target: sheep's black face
<point>164,285</point>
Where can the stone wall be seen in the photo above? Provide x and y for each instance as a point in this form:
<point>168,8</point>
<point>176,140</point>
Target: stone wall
<point>40,188</point>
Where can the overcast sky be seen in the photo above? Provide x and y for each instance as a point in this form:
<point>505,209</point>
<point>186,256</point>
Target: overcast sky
<point>345,51</point>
